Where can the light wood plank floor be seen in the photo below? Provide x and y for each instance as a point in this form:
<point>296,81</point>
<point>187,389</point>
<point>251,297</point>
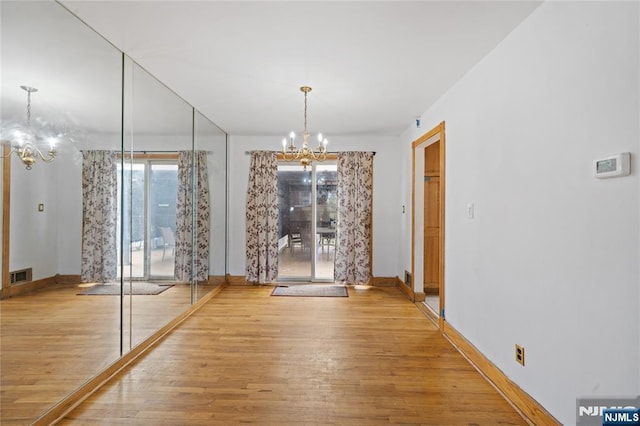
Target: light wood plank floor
<point>246,357</point>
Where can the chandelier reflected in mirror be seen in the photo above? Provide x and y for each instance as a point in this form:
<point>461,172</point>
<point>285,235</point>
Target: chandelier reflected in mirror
<point>24,140</point>
<point>304,154</point>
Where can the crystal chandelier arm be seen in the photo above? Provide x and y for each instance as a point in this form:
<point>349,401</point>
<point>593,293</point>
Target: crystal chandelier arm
<point>51,155</point>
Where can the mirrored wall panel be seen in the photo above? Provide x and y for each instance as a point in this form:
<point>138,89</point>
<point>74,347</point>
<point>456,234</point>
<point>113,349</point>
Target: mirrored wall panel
<point>158,135</point>
<point>114,206</point>
<point>60,96</point>
<point>213,142</point>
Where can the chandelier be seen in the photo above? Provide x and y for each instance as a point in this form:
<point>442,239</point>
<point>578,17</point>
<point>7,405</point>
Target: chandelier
<point>24,140</point>
<point>305,154</point>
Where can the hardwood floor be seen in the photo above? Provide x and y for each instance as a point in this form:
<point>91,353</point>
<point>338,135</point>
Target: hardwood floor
<point>54,340</point>
<point>246,357</point>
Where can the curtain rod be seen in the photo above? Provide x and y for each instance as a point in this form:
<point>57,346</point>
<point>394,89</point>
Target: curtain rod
<point>145,151</point>
<point>173,151</point>
<point>328,152</point>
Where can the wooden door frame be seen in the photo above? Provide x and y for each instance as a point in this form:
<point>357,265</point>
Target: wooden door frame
<point>434,135</point>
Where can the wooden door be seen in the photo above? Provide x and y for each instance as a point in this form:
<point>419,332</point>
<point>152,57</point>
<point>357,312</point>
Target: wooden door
<point>431,234</point>
<point>432,219</point>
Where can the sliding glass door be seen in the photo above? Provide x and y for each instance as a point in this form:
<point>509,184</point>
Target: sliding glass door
<point>161,223</point>
<point>307,212</point>
<point>148,209</point>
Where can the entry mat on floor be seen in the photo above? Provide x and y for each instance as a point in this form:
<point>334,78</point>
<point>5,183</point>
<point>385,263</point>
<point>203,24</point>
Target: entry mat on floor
<point>138,288</point>
<point>311,290</point>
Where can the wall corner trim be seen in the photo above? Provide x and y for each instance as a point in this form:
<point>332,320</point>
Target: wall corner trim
<point>528,407</point>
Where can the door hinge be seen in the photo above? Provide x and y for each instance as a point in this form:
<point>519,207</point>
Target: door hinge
<point>427,178</point>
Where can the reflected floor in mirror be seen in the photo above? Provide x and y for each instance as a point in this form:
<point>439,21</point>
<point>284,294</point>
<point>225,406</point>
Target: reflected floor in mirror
<point>54,340</point>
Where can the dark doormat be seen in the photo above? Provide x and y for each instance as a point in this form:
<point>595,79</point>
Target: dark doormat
<point>311,290</point>
<point>139,288</point>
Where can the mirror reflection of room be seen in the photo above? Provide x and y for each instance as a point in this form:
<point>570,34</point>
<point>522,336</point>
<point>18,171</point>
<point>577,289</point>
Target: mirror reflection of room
<point>103,105</point>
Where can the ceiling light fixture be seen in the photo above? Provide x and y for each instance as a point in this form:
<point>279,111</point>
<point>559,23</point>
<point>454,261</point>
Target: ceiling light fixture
<point>305,154</point>
<point>24,140</point>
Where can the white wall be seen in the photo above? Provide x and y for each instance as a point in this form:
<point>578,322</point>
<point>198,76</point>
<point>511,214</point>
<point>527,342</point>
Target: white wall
<point>551,260</point>
<point>33,235</point>
<point>387,207</point>
<point>69,224</point>
<point>1,218</point>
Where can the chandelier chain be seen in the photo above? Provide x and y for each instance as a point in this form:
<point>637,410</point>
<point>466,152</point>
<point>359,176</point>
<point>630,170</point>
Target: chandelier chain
<point>28,108</point>
<point>305,112</point>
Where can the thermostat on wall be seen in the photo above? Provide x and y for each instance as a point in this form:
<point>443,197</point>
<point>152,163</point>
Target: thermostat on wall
<point>613,166</point>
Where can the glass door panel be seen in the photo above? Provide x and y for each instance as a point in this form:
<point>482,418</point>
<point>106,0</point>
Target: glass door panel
<point>163,186</point>
<point>148,239</point>
<point>295,211</point>
<point>131,214</point>
<point>326,176</point>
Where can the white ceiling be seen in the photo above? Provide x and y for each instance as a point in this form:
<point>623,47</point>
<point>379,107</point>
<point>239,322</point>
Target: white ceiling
<point>374,66</point>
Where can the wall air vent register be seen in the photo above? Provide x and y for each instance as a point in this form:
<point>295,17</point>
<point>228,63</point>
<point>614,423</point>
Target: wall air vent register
<point>21,276</point>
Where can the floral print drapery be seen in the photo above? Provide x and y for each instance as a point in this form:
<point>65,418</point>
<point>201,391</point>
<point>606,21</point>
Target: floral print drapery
<point>353,226</point>
<point>99,213</point>
<point>192,231</point>
<point>262,218</point>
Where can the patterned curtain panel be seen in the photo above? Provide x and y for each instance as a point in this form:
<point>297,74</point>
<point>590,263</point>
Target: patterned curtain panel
<point>192,231</point>
<point>99,211</point>
<point>353,226</point>
<point>262,218</point>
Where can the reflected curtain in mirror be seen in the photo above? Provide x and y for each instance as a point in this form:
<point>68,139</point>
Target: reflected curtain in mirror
<point>353,226</point>
<point>190,266</point>
<point>262,218</point>
<point>99,210</point>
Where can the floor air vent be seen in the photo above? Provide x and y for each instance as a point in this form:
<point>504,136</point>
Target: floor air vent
<point>407,278</point>
<point>21,276</point>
